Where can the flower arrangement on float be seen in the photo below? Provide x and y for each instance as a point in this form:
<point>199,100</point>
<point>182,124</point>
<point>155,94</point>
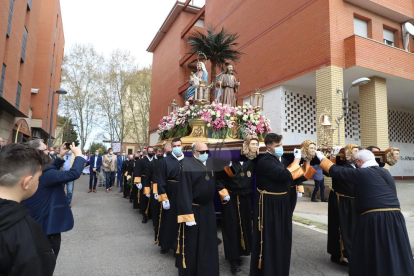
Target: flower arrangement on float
<point>222,121</point>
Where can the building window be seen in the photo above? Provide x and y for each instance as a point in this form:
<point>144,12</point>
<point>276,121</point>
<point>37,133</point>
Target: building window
<point>10,17</point>
<point>199,23</point>
<point>360,27</point>
<point>24,44</point>
<point>3,74</point>
<point>19,91</point>
<point>389,37</point>
<point>29,4</point>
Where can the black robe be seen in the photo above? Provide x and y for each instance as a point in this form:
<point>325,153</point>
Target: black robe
<point>275,216</point>
<point>150,184</point>
<point>293,194</point>
<point>198,243</point>
<point>128,169</point>
<point>236,215</point>
<point>134,194</point>
<point>168,177</point>
<point>381,246</point>
<point>342,217</point>
<point>139,177</point>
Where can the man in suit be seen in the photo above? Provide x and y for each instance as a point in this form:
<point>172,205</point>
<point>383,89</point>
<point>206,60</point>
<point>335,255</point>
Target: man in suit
<point>119,162</point>
<point>49,206</point>
<point>95,163</point>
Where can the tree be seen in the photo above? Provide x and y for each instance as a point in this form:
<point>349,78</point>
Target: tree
<point>68,132</point>
<point>82,76</point>
<point>94,146</point>
<point>218,48</point>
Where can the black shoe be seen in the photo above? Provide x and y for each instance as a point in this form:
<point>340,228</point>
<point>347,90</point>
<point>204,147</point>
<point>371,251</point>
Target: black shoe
<point>337,260</point>
<point>164,251</point>
<point>324,200</point>
<point>144,219</point>
<point>233,267</point>
<point>239,262</point>
<point>314,200</point>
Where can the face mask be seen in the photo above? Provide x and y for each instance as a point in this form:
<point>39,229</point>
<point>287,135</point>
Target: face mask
<point>279,151</point>
<point>160,156</point>
<point>96,153</point>
<point>150,155</point>
<point>123,154</point>
<point>110,153</point>
<point>52,152</point>
<point>177,151</point>
<point>136,158</point>
<point>203,157</point>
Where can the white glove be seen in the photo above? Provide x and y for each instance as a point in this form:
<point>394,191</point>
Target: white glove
<point>156,196</point>
<point>226,198</point>
<point>320,155</point>
<point>166,204</point>
<point>139,186</point>
<point>148,195</point>
<point>190,223</point>
<point>300,195</point>
<point>128,177</point>
<point>336,149</point>
<point>297,153</point>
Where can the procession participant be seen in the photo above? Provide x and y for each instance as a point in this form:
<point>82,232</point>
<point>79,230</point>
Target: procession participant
<point>127,173</point>
<point>342,216</point>
<point>272,224</point>
<point>133,194</point>
<point>381,245</point>
<point>151,189</point>
<point>197,252</point>
<point>236,215</point>
<point>168,177</point>
<point>139,172</point>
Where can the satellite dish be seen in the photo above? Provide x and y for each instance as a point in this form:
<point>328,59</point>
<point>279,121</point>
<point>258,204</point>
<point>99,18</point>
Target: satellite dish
<point>409,28</point>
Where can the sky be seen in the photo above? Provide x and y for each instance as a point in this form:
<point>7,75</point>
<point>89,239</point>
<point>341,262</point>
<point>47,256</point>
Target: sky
<point>117,24</point>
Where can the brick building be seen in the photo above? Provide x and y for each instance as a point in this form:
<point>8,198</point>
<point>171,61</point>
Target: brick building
<point>299,53</point>
<point>31,52</point>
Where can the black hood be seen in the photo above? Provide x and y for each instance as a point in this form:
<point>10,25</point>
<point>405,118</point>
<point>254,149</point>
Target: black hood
<point>11,213</point>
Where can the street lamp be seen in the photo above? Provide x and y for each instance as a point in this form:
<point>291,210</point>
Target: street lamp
<point>60,91</point>
<point>345,101</point>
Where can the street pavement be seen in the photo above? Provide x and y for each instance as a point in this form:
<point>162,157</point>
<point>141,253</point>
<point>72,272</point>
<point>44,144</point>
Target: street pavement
<point>319,211</point>
<point>109,239</point>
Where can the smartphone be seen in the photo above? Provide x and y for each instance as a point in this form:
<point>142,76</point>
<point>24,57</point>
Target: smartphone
<point>68,145</point>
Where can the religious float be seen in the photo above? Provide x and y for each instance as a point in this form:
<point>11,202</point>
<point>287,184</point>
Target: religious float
<point>228,128</point>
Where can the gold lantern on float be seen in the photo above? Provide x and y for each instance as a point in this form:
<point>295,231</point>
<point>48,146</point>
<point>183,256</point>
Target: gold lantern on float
<point>256,100</point>
<point>202,94</point>
<point>173,106</point>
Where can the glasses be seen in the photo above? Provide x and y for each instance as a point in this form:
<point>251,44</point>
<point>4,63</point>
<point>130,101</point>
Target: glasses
<point>203,151</point>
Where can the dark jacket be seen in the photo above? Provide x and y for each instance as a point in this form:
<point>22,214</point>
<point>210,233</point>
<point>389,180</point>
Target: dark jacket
<point>49,206</point>
<point>92,163</point>
<point>24,248</point>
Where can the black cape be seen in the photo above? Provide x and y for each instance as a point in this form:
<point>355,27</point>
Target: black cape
<point>139,177</point>
<point>128,170</point>
<point>198,243</point>
<point>236,215</point>
<point>381,246</point>
<point>275,219</point>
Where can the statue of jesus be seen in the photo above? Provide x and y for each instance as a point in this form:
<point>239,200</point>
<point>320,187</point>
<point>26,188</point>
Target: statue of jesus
<point>227,87</point>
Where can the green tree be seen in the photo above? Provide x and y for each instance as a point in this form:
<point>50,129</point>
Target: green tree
<point>68,132</point>
<point>219,48</point>
<point>94,146</point>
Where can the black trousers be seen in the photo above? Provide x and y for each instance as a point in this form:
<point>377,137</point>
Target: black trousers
<point>94,179</point>
<point>319,184</point>
<point>55,240</point>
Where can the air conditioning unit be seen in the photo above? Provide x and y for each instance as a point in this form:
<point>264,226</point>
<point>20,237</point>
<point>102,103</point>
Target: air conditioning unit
<point>35,90</point>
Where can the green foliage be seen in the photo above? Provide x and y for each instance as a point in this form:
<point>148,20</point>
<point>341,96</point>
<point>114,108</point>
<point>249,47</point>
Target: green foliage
<point>94,146</point>
<point>69,133</point>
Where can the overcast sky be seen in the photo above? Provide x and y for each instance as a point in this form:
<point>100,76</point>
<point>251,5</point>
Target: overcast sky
<point>108,25</point>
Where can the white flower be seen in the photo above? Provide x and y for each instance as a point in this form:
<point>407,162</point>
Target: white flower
<point>188,112</point>
<point>208,125</point>
<point>181,109</point>
<point>217,113</point>
<point>245,118</point>
<point>239,113</point>
<point>177,123</point>
<point>212,112</point>
<point>228,114</point>
<point>264,117</point>
<point>244,110</point>
<point>165,117</point>
<point>187,103</point>
<point>213,104</point>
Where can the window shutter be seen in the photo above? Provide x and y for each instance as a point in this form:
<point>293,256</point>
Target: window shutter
<point>360,27</point>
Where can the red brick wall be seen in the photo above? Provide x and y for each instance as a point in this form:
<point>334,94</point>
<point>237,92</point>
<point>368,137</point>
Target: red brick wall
<point>11,49</point>
<point>45,50</point>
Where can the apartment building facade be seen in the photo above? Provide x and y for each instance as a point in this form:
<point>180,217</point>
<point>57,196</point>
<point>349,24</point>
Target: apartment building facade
<point>300,53</point>
<point>31,52</point>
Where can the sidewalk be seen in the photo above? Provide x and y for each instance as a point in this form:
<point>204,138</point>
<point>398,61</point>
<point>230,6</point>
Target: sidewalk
<point>319,211</point>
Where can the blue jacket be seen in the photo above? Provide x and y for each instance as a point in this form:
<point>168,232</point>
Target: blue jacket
<point>92,163</point>
<point>49,206</point>
<point>119,162</point>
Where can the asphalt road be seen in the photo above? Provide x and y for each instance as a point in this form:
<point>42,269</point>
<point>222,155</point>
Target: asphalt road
<point>109,239</point>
